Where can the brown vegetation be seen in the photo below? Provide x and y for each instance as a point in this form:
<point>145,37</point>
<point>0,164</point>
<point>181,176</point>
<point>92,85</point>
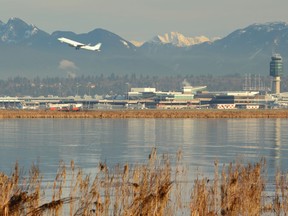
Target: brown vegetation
<point>155,188</point>
<point>146,114</point>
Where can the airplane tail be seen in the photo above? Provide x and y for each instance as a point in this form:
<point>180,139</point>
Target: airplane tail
<point>97,47</point>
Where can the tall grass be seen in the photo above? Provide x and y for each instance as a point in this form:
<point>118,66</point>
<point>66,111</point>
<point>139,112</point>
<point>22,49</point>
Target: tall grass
<point>155,188</point>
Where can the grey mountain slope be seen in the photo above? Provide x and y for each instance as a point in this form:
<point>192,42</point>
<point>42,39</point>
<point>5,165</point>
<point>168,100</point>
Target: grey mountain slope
<point>29,51</point>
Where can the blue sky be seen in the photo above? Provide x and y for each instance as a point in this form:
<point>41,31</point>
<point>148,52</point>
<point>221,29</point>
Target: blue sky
<point>143,19</point>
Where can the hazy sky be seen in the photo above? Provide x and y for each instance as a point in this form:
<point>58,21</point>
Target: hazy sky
<point>143,19</point>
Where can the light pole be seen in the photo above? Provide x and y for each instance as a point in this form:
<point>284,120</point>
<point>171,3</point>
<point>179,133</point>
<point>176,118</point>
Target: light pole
<point>127,97</point>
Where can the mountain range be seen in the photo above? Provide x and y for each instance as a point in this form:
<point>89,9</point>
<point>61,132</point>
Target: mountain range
<point>29,51</point>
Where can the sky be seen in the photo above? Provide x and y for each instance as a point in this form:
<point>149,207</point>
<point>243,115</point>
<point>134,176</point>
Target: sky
<point>141,20</point>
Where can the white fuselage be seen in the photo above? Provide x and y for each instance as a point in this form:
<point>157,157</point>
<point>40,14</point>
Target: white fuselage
<point>79,45</point>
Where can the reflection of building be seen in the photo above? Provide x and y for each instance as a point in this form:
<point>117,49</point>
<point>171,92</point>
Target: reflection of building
<point>276,70</point>
<point>277,138</point>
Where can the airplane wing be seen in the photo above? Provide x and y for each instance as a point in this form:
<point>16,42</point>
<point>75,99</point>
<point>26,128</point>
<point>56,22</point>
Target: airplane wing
<point>70,42</point>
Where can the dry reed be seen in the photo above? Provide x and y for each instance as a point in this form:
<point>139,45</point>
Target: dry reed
<point>156,188</point>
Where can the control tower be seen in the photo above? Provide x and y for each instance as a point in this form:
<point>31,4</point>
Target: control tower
<point>276,70</point>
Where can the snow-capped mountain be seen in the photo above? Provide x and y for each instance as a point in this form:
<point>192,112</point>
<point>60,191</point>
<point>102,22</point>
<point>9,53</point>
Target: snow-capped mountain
<point>263,27</point>
<point>178,39</point>
<point>261,38</point>
<point>16,30</point>
<point>137,43</point>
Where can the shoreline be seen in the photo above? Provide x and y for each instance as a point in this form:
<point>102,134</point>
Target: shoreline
<point>121,114</point>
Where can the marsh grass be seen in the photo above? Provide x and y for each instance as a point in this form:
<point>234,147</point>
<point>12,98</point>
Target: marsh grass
<point>149,113</point>
<point>155,188</point>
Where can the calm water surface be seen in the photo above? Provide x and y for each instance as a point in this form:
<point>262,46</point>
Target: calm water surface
<point>89,141</point>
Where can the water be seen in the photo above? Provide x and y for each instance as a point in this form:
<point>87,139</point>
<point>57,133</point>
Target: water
<point>90,141</point>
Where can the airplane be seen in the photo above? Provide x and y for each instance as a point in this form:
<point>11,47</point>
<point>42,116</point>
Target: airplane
<point>79,45</point>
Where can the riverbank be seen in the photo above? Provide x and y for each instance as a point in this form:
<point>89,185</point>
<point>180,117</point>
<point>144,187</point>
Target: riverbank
<point>12,114</point>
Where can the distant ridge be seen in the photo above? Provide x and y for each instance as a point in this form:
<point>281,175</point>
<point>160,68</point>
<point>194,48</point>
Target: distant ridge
<point>29,51</point>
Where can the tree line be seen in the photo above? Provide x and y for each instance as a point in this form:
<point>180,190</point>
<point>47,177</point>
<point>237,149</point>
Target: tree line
<point>114,84</point>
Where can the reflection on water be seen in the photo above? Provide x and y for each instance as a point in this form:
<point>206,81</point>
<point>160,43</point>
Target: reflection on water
<point>277,138</point>
<point>89,141</point>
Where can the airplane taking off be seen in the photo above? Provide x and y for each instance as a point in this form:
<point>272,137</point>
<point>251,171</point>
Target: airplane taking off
<point>78,45</point>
